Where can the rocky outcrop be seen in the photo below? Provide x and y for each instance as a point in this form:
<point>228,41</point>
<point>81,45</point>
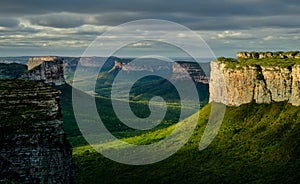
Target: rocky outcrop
<point>118,65</point>
<point>179,70</point>
<point>182,70</point>
<point>33,146</point>
<point>141,67</point>
<point>46,69</point>
<point>262,84</point>
<point>261,55</point>
<point>36,61</point>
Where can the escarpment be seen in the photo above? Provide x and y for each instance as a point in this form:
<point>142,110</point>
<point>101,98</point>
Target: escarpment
<point>33,146</point>
<point>36,61</point>
<point>47,69</point>
<point>235,82</point>
<point>178,70</point>
<point>182,70</point>
<point>141,65</point>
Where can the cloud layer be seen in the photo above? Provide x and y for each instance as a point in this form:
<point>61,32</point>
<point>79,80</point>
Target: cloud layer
<point>36,27</point>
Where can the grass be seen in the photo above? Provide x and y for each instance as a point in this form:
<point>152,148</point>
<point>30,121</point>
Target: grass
<point>271,62</point>
<point>256,144</point>
<point>109,118</point>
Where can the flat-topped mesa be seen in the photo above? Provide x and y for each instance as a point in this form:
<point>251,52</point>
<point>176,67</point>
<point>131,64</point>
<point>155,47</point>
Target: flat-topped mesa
<point>47,69</point>
<point>121,65</point>
<point>234,83</point>
<point>36,61</point>
<point>261,55</point>
<point>180,69</point>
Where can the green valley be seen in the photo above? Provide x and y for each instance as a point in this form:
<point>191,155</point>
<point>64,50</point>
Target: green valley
<point>256,144</point>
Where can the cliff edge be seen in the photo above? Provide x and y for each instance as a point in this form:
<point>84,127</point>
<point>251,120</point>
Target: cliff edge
<point>260,79</point>
<point>33,145</point>
<point>47,69</point>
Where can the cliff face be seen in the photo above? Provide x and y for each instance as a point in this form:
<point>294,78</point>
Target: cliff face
<point>46,69</point>
<point>295,96</point>
<point>262,84</point>
<point>36,61</point>
<point>194,70</point>
<point>33,146</point>
<point>154,66</point>
<point>177,70</point>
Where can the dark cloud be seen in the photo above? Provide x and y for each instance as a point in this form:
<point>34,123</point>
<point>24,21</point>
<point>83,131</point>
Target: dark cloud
<point>243,22</point>
<point>35,20</point>
<point>70,20</point>
<point>191,7</point>
<point>58,20</point>
<point>8,22</point>
<point>279,21</point>
<point>206,15</point>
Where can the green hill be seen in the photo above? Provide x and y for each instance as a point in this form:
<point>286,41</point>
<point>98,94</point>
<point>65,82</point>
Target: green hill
<point>256,144</point>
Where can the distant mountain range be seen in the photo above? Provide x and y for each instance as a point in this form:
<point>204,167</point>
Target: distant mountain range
<point>109,68</point>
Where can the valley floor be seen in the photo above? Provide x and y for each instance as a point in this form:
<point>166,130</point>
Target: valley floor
<point>256,144</point>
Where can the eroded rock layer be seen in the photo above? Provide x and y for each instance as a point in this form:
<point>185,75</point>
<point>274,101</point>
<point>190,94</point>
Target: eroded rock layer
<point>262,84</point>
<point>47,69</point>
<point>33,146</point>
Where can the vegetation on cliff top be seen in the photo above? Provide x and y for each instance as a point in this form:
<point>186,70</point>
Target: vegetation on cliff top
<point>256,144</point>
<point>272,62</point>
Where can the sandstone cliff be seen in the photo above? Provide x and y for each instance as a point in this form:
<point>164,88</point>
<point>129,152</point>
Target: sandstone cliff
<point>142,65</point>
<point>33,146</point>
<point>47,69</point>
<point>194,70</point>
<point>259,83</point>
<point>176,70</point>
<point>36,61</point>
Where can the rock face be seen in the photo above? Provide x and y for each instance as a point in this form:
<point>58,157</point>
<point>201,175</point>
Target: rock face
<point>36,61</point>
<point>295,97</point>
<point>143,66</point>
<point>261,84</point>
<point>33,146</point>
<point>180,69</point>
<point>177,70</point>
<point>47,69</point>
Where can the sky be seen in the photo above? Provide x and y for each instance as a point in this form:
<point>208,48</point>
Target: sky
<point>67,28</point>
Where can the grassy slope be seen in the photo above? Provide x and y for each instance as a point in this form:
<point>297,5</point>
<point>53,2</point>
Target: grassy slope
<point>108,116</point>
<point>256,144</point>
